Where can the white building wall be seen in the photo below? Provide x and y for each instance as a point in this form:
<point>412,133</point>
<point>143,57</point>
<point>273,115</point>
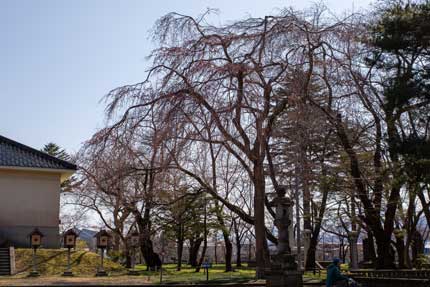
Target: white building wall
<point>28,200</point>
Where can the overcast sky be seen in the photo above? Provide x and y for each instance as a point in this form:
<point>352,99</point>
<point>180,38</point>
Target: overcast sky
<point>59,58</point>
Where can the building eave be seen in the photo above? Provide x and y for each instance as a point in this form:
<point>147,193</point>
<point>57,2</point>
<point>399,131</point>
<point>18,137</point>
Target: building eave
<point>64,173</point>
<point>18,154</point>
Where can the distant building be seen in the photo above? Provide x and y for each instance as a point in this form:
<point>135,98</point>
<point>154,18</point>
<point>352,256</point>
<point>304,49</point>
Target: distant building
<point>30,193</point>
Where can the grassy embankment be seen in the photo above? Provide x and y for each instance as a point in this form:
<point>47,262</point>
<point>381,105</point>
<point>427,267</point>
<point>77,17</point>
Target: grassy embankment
<point>54,261</point>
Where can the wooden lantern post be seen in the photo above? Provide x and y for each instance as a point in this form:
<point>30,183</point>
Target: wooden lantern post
<point>35,242</point>
<point>69,241</point>
<point>102,240</point>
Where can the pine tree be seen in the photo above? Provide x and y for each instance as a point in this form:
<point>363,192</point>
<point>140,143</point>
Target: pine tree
<point>55,150</point>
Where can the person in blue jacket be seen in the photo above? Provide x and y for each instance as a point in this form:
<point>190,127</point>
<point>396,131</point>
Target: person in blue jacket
<point>334,277</point>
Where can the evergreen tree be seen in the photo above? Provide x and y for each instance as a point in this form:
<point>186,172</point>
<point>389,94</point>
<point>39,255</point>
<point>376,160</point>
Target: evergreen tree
<point>401,41</point>
<point>55,150</point>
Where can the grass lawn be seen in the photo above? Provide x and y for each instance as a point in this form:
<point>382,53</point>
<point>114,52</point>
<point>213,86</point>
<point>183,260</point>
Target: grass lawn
<point>52,263</point>
<point>170,275</point>
<point>323,274</point>
<point>188,274</point>
<point>317,276</point>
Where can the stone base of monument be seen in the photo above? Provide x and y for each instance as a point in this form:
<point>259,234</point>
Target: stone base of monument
<point>283,272</point>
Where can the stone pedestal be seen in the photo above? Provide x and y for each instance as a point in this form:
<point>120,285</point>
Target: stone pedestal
<point>283,272</point>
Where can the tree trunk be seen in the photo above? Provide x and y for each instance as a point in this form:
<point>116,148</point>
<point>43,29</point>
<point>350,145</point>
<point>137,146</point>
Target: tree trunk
<point>205,239</point>
<point>194,251</point>
<point>385,259</point>
<point>249,250</point>
<point>417,247</point>
<point>372,251</point>
<point>228,253</point>
<point>215,248</point>
<point>180,245</point>
<point>202,256</point>
<point>238,244</point>
<point>143,222</point>
<point>371,216</point>
<point>238,255</point>
<point>425,205</point>
<point>261,247</point>
<point>151,258</point>
<point>310,261</point>
<point>400,248</point>
<point>306,191</point>
<point>386,256</point>
<point>226,236</point>
<point>307,224</point>
<point>341,249</point>
<point>128,254</point>
<point>298,228</point>
<point>310,256</point>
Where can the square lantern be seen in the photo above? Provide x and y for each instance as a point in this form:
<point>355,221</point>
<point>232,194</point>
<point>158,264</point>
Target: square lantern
<point>35,238</point>
<point>69,239</point>
<point>102,238</point>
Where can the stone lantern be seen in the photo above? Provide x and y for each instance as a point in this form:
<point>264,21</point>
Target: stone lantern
<point>283,270</point>
<point>69,241</point>
<point>102,242</point>
<point>282,222</point>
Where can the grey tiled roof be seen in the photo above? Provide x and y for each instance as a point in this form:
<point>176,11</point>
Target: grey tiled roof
<point>14,154</point>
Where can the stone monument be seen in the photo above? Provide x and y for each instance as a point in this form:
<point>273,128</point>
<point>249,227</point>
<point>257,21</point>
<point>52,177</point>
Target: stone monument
<point>283,270</point>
